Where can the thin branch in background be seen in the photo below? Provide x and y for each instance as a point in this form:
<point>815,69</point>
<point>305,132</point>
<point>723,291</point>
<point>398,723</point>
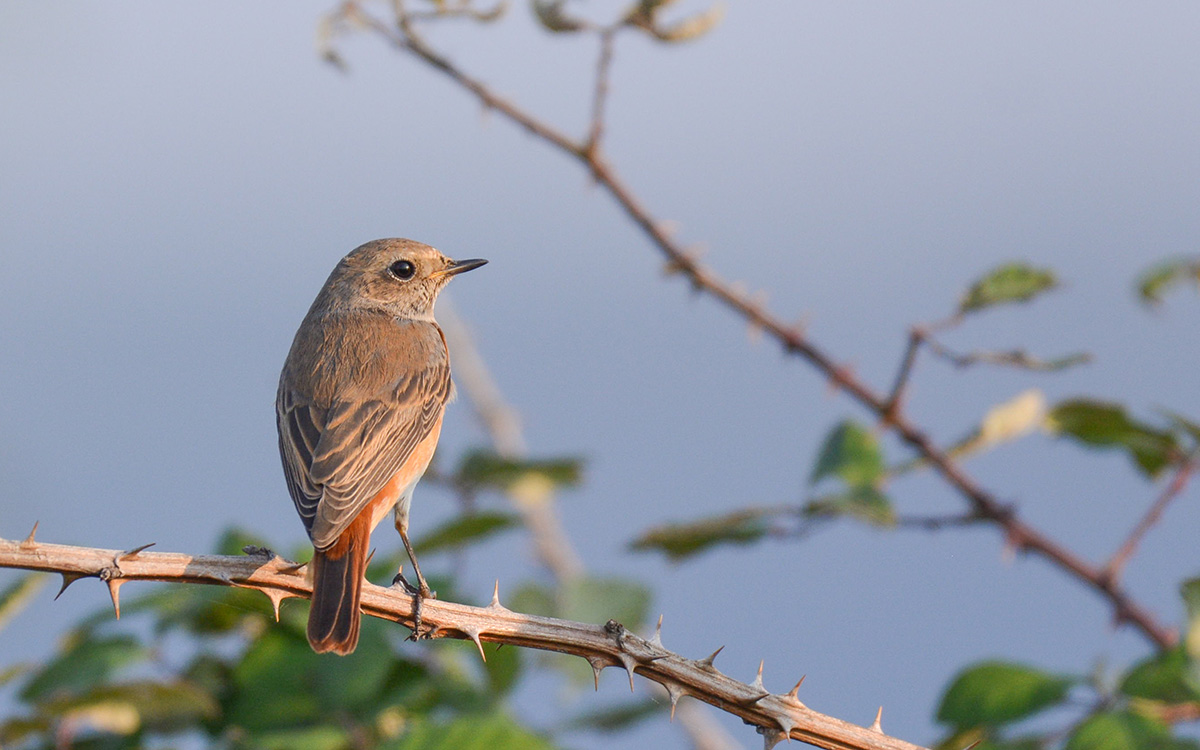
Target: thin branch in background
<point>916,337</point>
<point>603,646</point>
<point>1017,533</point>
<point>937,523</point>
<point>600,89</point>
<point>503,427</point>
<point>1174,488</point>
<point>552,545</point>
<point>1012,358</point>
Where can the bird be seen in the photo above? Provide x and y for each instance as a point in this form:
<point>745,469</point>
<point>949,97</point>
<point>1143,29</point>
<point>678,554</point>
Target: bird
<point>359,413</point>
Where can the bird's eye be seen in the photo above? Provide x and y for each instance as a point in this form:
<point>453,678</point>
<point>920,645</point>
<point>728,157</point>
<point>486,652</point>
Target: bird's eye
<point>403,269</point>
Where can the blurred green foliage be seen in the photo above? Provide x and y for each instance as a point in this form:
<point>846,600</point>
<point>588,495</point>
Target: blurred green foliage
<point>210,666</point>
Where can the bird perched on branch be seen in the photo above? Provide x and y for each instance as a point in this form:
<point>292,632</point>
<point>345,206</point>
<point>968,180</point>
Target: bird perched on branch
<point>359,411</point>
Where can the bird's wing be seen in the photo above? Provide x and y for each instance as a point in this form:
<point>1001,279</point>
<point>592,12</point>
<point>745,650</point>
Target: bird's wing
<point>336,459</point>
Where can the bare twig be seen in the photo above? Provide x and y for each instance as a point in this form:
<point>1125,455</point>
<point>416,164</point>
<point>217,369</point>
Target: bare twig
<point>916,336</point>
<point>603,646</point>
<point>600,89</point>
<point>540,516</point>
<point>1012,358</point>
<point>937,523</point>
<point>1018,534</point>
<point>1174,488</point>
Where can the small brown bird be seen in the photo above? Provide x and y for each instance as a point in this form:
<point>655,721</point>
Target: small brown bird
<point>359,412</point>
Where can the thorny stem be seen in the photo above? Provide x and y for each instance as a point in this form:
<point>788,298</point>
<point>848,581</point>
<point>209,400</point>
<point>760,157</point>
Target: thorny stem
<point>602,646</point>
<point>1019,535</point>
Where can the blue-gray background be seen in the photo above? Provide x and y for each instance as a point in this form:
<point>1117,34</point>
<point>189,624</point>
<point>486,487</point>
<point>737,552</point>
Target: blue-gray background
<point>177,179</point>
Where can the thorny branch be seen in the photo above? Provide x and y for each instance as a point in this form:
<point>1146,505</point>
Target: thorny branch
<point>778,716</point>
<point>1019,535</point>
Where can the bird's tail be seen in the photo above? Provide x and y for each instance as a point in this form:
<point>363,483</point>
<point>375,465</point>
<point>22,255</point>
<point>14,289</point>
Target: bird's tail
<point>338,574</point>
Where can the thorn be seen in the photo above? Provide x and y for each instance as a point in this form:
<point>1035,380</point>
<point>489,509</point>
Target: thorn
<point>772,737</point>
<point>1012,545</point>
<point>792,695</point>
<point>657,639</point>
<point>757,686</point>
<point>130,554</point>
<point>628,662</point>
<point>597,665</point>
<point>786,724</point>
<point>473,634</point>
<point>495,603</point>
<point>370,555</point>
<point>276,596</point>
<point>29,540</point>
<point>708,663</point>
<point>68,579</point>
<point>758,683</point>
<point>293,568</point>
<point>675,691</point>
<point>114,590</point>
<point>877,725</point>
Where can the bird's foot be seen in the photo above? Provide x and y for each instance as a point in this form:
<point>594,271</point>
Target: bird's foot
<point>419,594</point>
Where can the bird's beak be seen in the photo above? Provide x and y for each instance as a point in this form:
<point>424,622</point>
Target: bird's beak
<point>459,266</point>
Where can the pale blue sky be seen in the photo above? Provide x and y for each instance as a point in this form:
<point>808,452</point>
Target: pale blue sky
<point>176,181</point>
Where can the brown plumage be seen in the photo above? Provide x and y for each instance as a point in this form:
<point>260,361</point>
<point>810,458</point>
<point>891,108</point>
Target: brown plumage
<point>359,411</point>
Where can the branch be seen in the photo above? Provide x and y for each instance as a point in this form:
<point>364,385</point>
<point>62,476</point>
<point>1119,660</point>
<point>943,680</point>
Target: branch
<point>1019,535</point>
<point>777,716</point>
<point>1178,482</point>
<point>500,421</point>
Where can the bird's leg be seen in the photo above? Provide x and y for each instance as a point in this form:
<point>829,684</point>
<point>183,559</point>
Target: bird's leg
<point>422,590</point>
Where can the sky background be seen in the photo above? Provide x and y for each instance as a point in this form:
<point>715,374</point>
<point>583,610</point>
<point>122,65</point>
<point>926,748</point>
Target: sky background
<point>177,180</point>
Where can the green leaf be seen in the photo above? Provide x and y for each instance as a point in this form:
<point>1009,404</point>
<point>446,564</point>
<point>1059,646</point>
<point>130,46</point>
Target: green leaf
<point>1191,636</point>
<point>864,503</point>
<point>281,683</point>
<point>1107,425</point>
<point>486,469</point>
<point>459,531</point>
<point>273,686</point>
<point>155,706</point>
<point>234,541</point>
<point>991,693</point>
<point>1122,730</point>
<point>592,599</point>
<point>18,595</point>
<point>1161,677</point>
<point>320,737</point>
<point>503,668</point>
<point>1014,282</point>
<point>535,599</point>
<point>682,540</point>
<point>481,732</point>
<point>850,452</point>
<point>553,18</point>
<point>1157,280</point>
<point>21,728</point>
<point>615,718</point>
<point>86,662</point>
